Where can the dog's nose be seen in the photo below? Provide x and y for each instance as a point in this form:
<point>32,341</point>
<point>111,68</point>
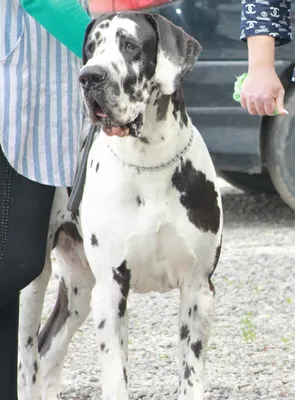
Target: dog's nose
<point>92,76</point>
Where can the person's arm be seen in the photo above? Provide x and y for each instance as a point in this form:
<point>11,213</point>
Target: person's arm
<point>65,20</point>
<point>263,26</point>
<point>261,51</point>
<point>270,19</point>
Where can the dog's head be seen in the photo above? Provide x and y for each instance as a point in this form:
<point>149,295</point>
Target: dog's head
<point>126,56</point>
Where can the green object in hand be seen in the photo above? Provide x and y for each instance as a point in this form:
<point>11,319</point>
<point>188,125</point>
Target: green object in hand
<point>238,87</point>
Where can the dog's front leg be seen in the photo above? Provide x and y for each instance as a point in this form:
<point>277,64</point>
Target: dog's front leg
<point>109,298</point>
<point>195,320</point>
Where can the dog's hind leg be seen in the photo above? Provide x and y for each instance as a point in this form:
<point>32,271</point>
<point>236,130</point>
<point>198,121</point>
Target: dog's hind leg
<point>71,309</point>
<point>31,304</point>
<point>195,318</point>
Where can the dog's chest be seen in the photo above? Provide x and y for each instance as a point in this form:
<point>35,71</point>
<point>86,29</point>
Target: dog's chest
<point>158,258</point>
<point>149,220</point>
<point>145,224</point>
<point>149,228</point>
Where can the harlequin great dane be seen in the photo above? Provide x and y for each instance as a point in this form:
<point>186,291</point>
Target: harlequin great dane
<point>150,216</point>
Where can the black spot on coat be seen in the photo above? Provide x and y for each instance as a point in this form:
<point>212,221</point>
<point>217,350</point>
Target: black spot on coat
<point>184,332</point>
<point>178,102</point>
<point>125,375</point>
<point>122,307</point>
<point>198,196</point>
<point>36,367</point>
<point>102,324</point>
<point>187,372</point>
<point>104,25</point>
<point>122,276</point>
<point>162,109</point>
<point>138,200</point>
<point>144,140</point>
<point>94,241</point>
<point>29,342</point>
<point>197,348</point>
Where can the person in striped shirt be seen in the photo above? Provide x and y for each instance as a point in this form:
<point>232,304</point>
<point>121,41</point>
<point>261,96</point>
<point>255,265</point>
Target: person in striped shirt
<point>40,122</point>
<point>264,24</point>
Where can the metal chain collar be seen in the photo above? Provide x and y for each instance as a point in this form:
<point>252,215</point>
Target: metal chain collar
<point>156,167</point>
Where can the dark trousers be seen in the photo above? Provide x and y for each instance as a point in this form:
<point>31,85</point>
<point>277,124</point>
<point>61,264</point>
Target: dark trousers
<point>25,208</point>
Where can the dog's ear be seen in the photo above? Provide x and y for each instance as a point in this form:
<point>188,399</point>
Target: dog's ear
<point>88,29</point>
<point>177,53</point>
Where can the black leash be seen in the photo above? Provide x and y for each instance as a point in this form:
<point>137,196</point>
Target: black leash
<point>79,181</point>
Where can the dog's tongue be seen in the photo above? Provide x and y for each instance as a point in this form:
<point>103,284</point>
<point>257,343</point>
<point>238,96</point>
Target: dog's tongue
<point>116,131</point>
<point>101,114</point>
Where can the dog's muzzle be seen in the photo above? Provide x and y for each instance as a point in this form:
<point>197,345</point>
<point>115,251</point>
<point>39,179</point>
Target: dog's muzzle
<point>94,81</point>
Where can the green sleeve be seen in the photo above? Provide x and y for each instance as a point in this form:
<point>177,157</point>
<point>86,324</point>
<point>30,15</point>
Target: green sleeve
<point>65,20</point>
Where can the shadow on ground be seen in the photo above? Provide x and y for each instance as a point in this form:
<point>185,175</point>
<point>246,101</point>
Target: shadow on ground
<point>241,208</point>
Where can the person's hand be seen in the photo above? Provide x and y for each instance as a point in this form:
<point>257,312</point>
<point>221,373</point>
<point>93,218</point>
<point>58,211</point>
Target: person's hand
<point>262,92</point>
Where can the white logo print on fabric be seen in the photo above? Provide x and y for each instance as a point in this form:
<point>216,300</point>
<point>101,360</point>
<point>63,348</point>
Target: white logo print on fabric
<point>250,9</point>
<point>262,2</point>
<point>274,11</point>
<point>250,24</point>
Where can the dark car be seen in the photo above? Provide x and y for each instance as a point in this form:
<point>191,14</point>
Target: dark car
<point>255,154</point>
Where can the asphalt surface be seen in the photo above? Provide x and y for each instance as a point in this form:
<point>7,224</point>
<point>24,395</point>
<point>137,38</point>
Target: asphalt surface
<point>251,353</point>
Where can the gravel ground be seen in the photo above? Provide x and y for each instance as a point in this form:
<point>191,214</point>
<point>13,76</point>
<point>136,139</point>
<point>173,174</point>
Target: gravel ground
<point>251,354</point>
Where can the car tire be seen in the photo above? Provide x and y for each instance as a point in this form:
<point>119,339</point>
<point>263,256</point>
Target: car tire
<point>251,183</point>
<point>280,153</point>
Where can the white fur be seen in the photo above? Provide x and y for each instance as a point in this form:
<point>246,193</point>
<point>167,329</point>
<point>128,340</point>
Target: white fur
<point>166,72</point>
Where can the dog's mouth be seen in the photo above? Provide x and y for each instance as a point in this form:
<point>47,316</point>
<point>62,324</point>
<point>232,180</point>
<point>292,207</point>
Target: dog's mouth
<point>111,128</point>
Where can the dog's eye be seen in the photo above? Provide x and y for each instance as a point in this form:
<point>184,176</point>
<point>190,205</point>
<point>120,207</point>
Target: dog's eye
<point>91,48</point>
<point>129,46</point>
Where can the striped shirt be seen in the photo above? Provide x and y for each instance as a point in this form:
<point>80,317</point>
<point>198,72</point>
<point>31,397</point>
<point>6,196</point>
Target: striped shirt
<point>40,103</point>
